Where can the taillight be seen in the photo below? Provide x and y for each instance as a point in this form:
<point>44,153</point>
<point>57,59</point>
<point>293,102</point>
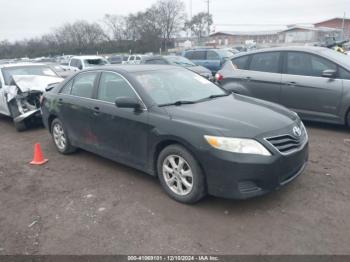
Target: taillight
<point>218,77</point>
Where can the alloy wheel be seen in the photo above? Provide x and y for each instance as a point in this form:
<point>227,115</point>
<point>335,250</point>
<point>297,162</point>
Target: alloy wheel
<point>59,136</point>
<point>178,175</point>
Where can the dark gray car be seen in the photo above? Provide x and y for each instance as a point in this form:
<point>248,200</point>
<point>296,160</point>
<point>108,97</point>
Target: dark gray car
<point>179,61</point>
<point>312,81</point>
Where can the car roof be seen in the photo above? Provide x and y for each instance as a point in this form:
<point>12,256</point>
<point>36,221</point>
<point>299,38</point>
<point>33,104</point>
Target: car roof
<point>20,64</point>
<point>202,49</point>
<point>133,68</point>
<point>311,49</point>
<point>154,57</point>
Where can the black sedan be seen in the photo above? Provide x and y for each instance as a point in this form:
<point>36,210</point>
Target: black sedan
<point>172,123</point>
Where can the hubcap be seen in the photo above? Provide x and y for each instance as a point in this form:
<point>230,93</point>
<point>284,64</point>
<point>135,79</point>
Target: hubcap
<point>178,175</point>
<point>59,136</point>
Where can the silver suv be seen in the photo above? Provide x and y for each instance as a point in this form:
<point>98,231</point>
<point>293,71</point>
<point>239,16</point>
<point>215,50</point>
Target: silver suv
<point>312,81</point>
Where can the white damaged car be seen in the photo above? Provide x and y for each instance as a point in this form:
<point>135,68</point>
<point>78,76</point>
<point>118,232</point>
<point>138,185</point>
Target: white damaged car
<point>21,86</point>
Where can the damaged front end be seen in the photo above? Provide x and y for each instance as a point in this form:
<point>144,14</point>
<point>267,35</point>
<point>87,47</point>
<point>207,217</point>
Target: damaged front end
<point>23,96</point>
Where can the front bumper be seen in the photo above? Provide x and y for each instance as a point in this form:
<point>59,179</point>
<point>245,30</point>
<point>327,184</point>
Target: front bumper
<point>30,114</point>
<point>238,176</point>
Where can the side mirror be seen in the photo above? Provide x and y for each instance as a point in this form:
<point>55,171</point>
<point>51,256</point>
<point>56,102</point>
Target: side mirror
<point>80,67</point>
<point>329,73</point>
<point>128,102</point>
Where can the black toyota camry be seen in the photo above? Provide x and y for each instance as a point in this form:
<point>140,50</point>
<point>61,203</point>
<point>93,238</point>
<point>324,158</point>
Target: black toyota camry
<point>172,123</point>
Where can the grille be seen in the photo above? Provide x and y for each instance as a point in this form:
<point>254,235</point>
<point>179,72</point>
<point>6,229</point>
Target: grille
<point>286,143</point>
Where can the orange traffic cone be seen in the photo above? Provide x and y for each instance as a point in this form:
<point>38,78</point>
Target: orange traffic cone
<point>38,156</point>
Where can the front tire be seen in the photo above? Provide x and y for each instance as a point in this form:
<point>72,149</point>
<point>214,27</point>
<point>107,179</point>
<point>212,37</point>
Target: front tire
<point>20,126</point>
<point>180,175</point>
<point>60,138</point>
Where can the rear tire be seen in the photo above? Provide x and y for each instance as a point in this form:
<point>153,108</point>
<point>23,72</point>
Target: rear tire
<point>348,119</point>
<point>60,138</point>
<point>181,175</point>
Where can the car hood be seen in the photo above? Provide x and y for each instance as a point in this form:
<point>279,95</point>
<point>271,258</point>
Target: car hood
<point>235,115</point>
<point>28,83</point>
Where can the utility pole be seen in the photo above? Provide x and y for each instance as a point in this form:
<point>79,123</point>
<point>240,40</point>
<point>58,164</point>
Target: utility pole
<point>190,10</point>
<point>208,3</point>
<point>343,27</point>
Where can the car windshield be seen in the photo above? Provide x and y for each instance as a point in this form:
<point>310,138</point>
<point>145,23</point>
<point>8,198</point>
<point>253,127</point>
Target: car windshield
<point>179,60</point>
<point>177,86</point>
<point>339,57</point>
<point>94,62</point>
<point>27,70</point>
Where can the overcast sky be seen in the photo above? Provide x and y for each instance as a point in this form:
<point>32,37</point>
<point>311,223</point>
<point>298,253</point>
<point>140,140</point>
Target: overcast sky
<point>27,18</point>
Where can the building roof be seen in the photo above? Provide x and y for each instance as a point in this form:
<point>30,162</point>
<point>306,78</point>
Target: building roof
<point>309,28</point>
<point>335,18</point>
<point>247,33</point>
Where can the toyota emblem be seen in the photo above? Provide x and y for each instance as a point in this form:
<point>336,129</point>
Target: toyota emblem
<point>297,131</point>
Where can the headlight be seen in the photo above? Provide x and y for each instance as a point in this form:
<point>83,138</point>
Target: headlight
<point>237,145</point>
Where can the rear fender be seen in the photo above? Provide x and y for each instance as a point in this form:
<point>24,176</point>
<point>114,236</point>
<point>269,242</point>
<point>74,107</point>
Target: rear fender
<point>236,88</point>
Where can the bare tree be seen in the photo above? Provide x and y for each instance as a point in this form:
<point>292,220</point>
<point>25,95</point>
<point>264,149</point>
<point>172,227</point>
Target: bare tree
<point>115,26</point>
<point>198,24</point>
<point>170,16</point>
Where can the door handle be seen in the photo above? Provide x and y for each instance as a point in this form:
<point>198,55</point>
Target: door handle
<point>292,83</point>
<point>96,110</point>
<point>248,78</point>
<point>60,100</point>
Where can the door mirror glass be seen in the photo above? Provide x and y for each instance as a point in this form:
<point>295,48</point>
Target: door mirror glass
<point>128,102</point>
<point>329,73</point>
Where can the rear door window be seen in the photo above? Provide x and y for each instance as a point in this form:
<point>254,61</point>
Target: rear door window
<point>211,55</point>
<point>199,55</point>
<point>73,63</point>
<point>83,85</point>
<point>189,55</point>
<point>79,64</point>
<point>241,62</point>
<point>265,62</point>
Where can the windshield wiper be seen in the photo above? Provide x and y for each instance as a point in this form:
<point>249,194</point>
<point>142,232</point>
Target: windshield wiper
<point>214,96</point>
<point>178,103</point>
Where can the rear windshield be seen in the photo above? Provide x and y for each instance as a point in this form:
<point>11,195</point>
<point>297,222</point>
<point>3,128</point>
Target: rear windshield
<point>180,60</point>
<point>26,70</point>
<point>89,62</point>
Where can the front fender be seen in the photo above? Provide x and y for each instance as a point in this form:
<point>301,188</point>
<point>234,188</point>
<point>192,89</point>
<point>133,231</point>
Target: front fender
<point>159,143</point>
